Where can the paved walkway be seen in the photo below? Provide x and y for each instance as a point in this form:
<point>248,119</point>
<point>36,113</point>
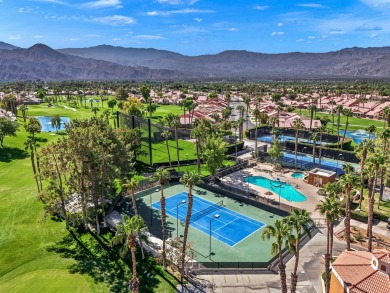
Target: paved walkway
<point>310,269</point>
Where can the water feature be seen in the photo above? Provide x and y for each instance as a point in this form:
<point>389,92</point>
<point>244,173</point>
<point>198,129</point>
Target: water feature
<point>285,190</point>
<point>297,175</point>
<point>358,135</point>
<point>46,123</point>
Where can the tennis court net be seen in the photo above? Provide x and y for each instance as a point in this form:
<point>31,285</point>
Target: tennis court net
<point>205,212</point>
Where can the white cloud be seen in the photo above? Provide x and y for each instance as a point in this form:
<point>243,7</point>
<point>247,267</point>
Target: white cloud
<point>149,37</point>
<point>104,4</point>
<point>74,39</point>
<point>176,2</point>
<point>116,39</point>
<point>311,5</point>
<point>187,29</point>
<point>336,32</point>
<point>14,37</point>
<point>53,2</point>
<point>259,7</point>
<point>92,36</point>
<point>277,34</point>
<point>373,35</point>
<point>38,36</point>
<point>197,19</point>
<point>377,3</point>
<point>232,29</point>
<point>280,24</point>
<point>311,37</point>
<point>113,20</point>
<point>181,11</point>
<point>21,10</point>
<point>301,40</point>
<point>367,27</point>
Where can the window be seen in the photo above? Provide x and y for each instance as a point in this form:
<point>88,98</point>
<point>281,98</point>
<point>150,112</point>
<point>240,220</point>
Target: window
<point>374,262</point>
<point>383,268</point>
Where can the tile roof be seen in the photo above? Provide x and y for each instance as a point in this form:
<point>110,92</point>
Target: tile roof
<point>354,268</point>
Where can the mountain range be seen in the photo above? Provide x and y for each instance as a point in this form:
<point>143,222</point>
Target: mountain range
<point>106,62</point>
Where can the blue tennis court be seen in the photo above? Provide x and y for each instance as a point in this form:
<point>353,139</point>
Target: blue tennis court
<point>230,228</point>
<point>306,162</point>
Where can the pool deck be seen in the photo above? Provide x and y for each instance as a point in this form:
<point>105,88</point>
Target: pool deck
<point>312,198</point>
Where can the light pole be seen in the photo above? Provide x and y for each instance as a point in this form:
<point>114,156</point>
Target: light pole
<point>339,156</point>
<point>177,216</point>
<point>303,151</point>
<point>280,188</point>
<point>216,216</point>
<point>151,209</point>
<point>247,183</point>
<point>187,162</point>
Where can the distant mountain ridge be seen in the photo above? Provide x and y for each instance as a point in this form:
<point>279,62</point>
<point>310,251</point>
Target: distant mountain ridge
<point>108,62</point>
<point>43,63</point>
<point>6,46</point>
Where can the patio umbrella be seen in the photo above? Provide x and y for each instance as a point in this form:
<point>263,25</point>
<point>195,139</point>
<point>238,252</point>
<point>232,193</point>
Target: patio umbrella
<point>268,193</point>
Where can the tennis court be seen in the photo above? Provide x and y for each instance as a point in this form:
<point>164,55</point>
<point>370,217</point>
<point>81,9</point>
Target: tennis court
<point>228,227</point>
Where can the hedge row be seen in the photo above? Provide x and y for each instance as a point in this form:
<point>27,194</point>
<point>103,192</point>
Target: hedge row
<point>362,216</point>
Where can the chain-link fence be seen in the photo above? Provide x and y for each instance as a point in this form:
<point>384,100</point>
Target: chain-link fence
<point>152,138</point>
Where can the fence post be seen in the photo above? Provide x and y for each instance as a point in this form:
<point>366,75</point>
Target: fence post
<point>117,119</point>
<point>150,142</point>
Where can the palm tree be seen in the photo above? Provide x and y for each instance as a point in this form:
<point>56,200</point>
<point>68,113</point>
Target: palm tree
<point>348,181</point>
<point>131,185</point>
<point>377,160</point>
<point>370,129</point>
<point>297,124</point>
<point>175,125</point>
<point>333,189</point>
<point>281,232</point>
<point>24,110</point>
<point>312,109</point>
<point>197,133</point>
<point>348,168</point>
<point>332,103</point>
<point>299,220</point>
<point>386,115</point>
<point>162,176</point>
<point>189,179</point>
<point>321,130</point>
<point>256,112</point>
<point>126,235</point>
<point>347,113</point>
<point>314,138</point>
<point>362,150</point>
<point>247,101</point>
<point>384,135</point>
<point>166,134</point>
<point>339,109</point>
<point>330,207</point>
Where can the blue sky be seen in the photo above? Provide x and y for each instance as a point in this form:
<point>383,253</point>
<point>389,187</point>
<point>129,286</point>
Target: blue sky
<point>194,27</point>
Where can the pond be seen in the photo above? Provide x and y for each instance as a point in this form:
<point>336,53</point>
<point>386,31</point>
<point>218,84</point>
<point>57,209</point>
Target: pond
<point>46,123</point>
<point>358,135</point>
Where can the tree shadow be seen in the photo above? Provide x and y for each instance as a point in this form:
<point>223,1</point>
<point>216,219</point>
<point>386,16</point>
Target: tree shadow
<point>94,257</point>
<point>8,154</point>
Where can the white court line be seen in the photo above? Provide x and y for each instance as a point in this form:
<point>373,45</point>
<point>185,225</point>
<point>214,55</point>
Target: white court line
<point>226,224</point>
<point>229,240</point>
<point>249,234</point>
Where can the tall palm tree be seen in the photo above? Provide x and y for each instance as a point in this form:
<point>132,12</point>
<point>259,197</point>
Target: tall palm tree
<point>166,134</point>
<point>297,124</point>
<point>247,101</point>
<point>281,232</point>
<point>377,160</point>
<point>362,150</point>
<point>371,130</point>
<point>132,185</point>
<point>312,109</point>
<point>162,176</point>
<point>189,179</point>
<point>339,110</point>
<point>330,207</point>
<point>299,220</point>
<point>175,125</point>
<point>347,113</point>
<point>321,130</point>
<point>314,138</point>
<point>256,112</point>
<point>332,103</point>
<point>386,115</point>
<point>126,235</point>
<point>197,133</point>
<point>333,189</point>
<point>384,135</point>
<point>348,181</point>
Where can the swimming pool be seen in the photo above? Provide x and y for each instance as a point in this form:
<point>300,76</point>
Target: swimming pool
<point>46,123</point>
<point>297,175</point>
<point>285,190</point>
<point>358,136</point>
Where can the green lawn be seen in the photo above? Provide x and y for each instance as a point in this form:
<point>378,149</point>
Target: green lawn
<point>163,110</point>
<point>37,253</point>
<point>203,170</point>
<point>160,154</point>
<point>355,123</point>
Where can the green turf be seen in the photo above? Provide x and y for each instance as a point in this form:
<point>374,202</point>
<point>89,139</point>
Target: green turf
<point>163,110</point>
<point>250,249</point>
<point>28,262</point>
<point>203,171</point>
<point>355,123</point>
